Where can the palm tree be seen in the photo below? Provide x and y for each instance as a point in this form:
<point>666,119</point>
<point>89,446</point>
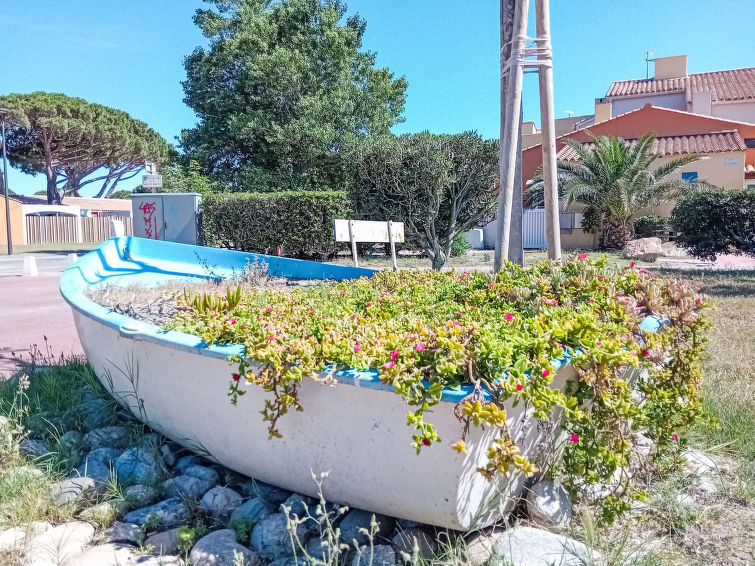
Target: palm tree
<point>614,180</point>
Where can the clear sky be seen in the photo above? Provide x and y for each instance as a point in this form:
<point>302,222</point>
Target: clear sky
<point>129,54</point>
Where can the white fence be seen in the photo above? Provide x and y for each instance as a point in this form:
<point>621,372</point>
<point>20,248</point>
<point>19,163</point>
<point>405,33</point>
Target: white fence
<point>533,230</point>
<point>70,229</point>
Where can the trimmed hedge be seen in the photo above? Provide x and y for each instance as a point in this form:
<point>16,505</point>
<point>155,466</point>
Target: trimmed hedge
<point>299,222</point>
<point>716,222</point>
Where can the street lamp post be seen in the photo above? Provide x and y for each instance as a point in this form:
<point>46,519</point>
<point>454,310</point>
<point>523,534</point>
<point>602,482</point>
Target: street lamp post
<point>3,113</point>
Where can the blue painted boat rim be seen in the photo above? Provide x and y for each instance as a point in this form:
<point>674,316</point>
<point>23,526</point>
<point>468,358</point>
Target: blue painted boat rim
<point>154,262</point>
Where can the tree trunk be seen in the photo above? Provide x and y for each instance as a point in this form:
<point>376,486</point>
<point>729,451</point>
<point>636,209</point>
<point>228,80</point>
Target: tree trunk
<point>53,195</point>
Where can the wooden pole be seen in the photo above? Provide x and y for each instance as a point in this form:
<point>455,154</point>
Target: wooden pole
<point>353,243</point>
<point>393,244</point>
<point>548,127</point>
<point>511,100</point>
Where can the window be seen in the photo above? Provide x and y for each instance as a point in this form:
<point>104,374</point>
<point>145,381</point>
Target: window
<point>750,187</point>
<point>690,176</point>
<point>750,142</point>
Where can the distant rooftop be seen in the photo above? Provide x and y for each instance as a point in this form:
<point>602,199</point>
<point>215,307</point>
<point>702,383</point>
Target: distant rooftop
<point>726,86</point>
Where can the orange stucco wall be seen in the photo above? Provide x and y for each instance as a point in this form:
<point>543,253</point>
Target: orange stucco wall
<point>16,222</point>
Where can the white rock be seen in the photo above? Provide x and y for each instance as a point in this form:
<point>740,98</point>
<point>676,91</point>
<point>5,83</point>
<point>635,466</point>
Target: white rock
<point>60,545</point>
<point>699,463</point>
<point>17,537</point>
<point>479,546</point>
<point>220,549</point>
<point>708,485</point>
<point>121,555</point>
<point>645,249</point>
<point>68,491</point>
<point>548,504</point>
<point>527,546</point>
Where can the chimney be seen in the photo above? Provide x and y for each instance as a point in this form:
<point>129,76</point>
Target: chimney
<point>602,110</point>
<point>670,67</point>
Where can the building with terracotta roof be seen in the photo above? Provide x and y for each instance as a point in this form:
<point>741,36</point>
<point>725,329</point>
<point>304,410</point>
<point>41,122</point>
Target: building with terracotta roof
<point>728,94</point>
<point>727,148</point>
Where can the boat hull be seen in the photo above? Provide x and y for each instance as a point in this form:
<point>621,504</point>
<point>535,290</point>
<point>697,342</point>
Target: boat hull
<point>355,429</point>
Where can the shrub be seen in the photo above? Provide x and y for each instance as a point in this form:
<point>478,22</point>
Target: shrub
<point>460,246</point>
<point>439,186</point>
<point>716,222</point>
<point>300,223</point>
<point>427,331</point>
<point>644,226</point>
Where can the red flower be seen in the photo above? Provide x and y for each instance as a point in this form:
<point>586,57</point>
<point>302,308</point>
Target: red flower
<point>518,386</point>
<point>582,256</point>
<point>236,377</point>
<point>394,354</point>
<point>546,373</point>
<point>675,437</point>
<point>574,438</point>
<point>645,353</point>
<point>426,442</point>
<point>508,316</point>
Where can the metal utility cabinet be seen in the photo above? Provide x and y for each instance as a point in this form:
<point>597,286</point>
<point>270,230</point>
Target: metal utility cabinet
<point>173,217</point>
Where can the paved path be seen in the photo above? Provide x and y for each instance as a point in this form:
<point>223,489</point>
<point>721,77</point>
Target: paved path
<point>31,309</point>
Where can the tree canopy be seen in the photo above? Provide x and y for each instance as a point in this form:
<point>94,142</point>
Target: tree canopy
<point>439,186</point>
<point>615,180</point>
<point>280,89</point>
<point>75,143</point>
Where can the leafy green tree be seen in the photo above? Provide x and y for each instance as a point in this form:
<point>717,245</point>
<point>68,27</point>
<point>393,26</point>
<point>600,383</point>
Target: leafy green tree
<point>280,89</point>
<point>184,178</point>
<point>75,143</point>
<point>615,180</point>
<point>716,222</point>
<point>438,186</point>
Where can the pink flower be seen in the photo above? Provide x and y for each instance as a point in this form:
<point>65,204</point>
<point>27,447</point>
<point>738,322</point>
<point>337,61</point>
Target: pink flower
<point>574,438</point>
<point>546,373</point>
<point>367,304</point>
<point>697,301</point>
<point>631,264</point>
<point>271,338</point>
<point>389,365</point>
<point>214,315</point>
<point>590,301</point>
<point>645,353</point>
<point>490,286</point>
<point>473,306</point>
<point>235,377</point>
<point>412,338</point>
<point>242,325</point>
<point>461,280</point>
<point>326,329</point>
<point>311,312</point>
<point>269,309</point>
<point>598,343</point>
<point>419,347</point>
<point>458,313</point>
<point>466,273</point>
<point>508,316</point>
<point>582,256</point>
<point>457,323</point>
<point>340,292</point>
<point>633,354</point>
<point>518,386</point>
<point>394,354</point>
<point>357,347</point>
<point>233,321</point>
<point>675,437</point>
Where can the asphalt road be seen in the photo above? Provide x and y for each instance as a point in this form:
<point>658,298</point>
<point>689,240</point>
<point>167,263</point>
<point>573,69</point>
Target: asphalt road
<point>34,318</point>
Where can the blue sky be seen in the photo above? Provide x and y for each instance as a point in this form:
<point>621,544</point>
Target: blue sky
<point>129,54</point>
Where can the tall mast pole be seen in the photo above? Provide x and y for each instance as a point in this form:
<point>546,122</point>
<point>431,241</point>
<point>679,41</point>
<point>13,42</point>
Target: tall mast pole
<point>548,127</point>
<point>510,117</point>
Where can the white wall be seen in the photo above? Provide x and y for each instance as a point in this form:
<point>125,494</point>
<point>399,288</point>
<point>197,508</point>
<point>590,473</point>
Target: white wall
<point>675,101</point>
<point>741,111</point>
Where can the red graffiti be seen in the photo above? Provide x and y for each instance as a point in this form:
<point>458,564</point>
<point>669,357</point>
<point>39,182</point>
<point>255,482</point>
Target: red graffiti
<point>150,223</point>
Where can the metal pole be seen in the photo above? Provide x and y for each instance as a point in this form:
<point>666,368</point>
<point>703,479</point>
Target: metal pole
<point>511,113</point>
<point>3,113</point>
<point>548,127</point>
